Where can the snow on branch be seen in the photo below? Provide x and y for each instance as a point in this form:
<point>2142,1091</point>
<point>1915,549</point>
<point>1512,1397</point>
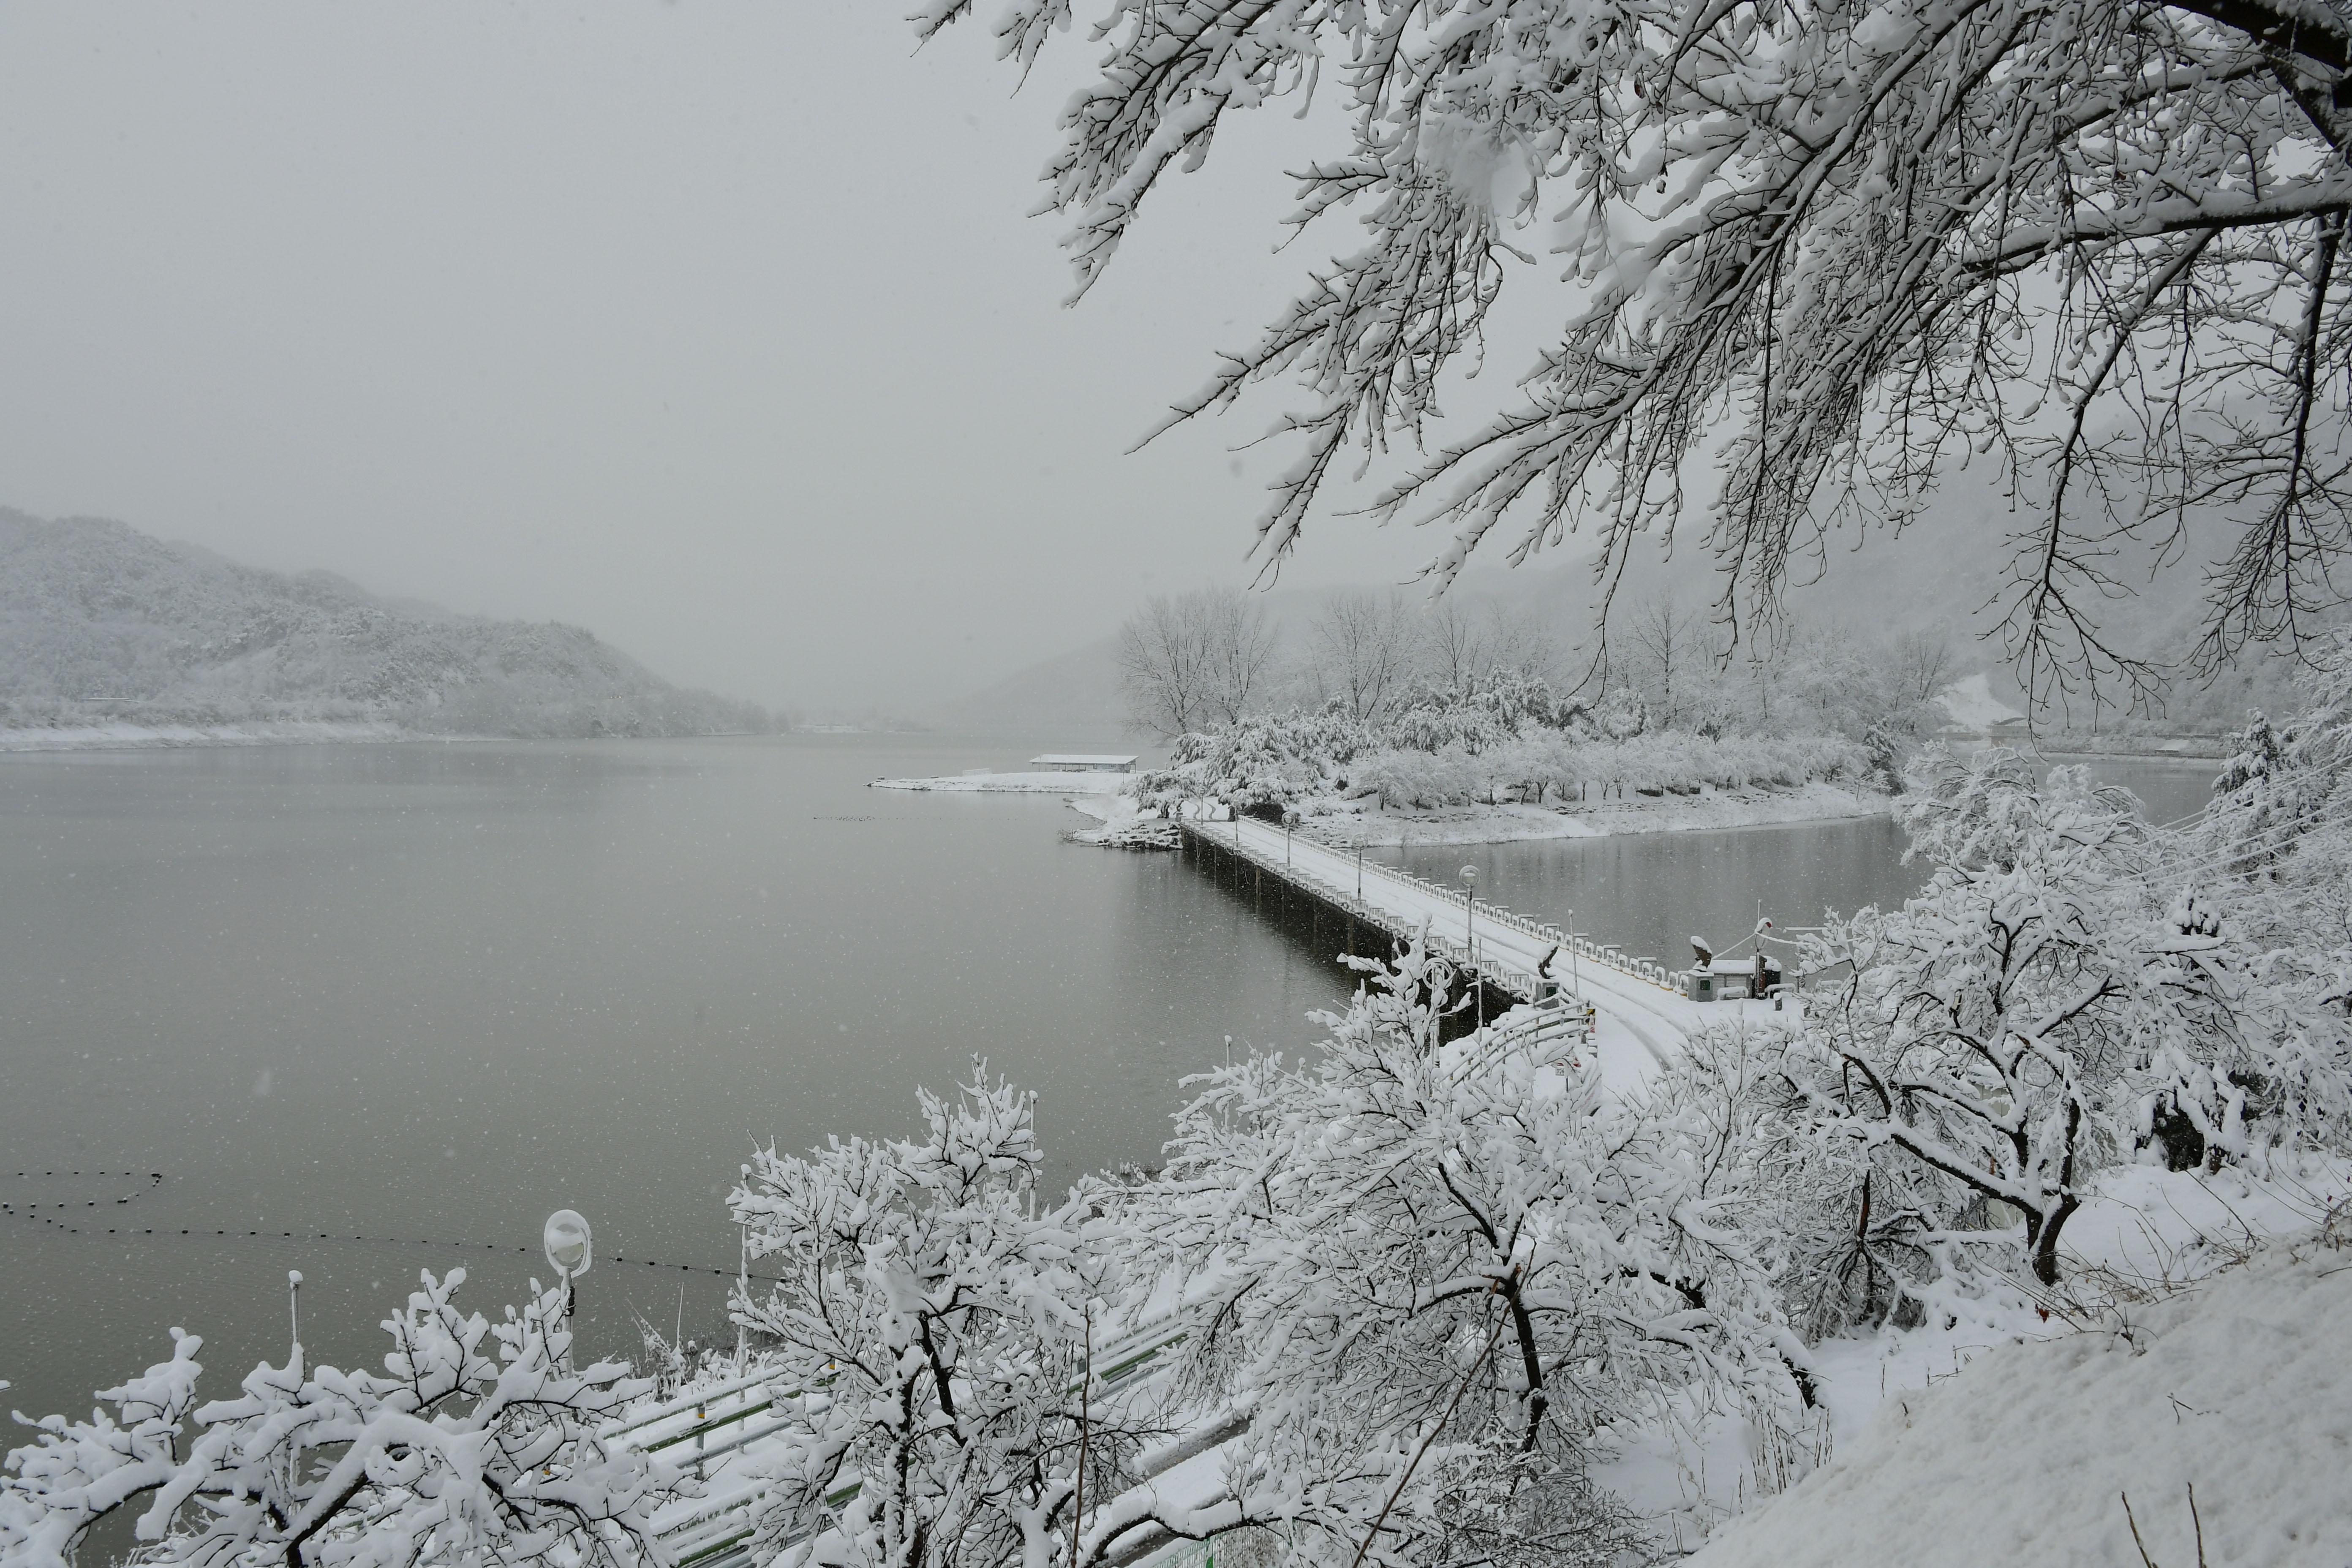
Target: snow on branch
<point>1834,252</point>
<point>477,1443</point>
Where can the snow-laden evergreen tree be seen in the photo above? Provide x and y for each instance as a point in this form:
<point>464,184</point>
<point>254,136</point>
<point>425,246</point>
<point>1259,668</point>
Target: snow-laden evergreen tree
<point>477,1446</point>
<point>2279,830</point>
<point>2093,245</point>
<point>930,1345</point>
<point>2054,1001</point>
<point>1425,1279</point>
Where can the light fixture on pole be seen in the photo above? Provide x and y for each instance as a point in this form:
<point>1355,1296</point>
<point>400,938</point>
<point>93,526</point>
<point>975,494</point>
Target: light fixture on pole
<point>1470,937</point>
<point>568,1247</point>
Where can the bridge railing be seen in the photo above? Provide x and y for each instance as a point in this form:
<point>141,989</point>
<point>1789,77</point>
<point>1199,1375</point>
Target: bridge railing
<point>1517,981</point>
<point>1609,956</point>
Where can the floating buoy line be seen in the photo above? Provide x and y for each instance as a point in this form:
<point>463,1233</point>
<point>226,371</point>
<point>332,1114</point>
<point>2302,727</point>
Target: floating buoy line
<point>154,1179</point>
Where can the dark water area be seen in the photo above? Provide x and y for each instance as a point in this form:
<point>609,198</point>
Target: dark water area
<point>434,992</point>
<point>431,992</point>
<point>1651,893</point>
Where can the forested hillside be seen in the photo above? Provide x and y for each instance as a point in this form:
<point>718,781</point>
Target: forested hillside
<point>101,624</point>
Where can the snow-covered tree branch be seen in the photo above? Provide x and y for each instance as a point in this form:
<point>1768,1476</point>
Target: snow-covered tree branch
<point>2092,243</point>
<point>2061,995</point>
<point>1430,1276</point>
<point>478,1443</point>
<point>932,1341</point>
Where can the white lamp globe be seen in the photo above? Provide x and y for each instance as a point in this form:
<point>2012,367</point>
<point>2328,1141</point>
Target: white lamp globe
<point>565,1237</point>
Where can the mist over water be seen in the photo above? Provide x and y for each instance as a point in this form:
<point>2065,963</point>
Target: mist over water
<point>432,992</point>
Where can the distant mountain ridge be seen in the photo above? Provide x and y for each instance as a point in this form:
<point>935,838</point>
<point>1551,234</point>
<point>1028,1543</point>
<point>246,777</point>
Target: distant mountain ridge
<point>101,624</point>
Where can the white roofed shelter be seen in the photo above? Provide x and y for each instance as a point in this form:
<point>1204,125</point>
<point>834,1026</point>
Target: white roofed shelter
<point>1082,763</point>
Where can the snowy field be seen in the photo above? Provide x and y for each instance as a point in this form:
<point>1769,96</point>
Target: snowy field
<point>2020,1448</point>
<point>1008,784</point>
<point>2198,1339</point>
<point>1353,820</point>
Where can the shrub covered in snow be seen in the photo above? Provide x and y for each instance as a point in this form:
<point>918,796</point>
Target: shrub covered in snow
<point>1257,763</point>
<point>477,1443</point>
<point>2059,998</point>
<point>1565,765</point>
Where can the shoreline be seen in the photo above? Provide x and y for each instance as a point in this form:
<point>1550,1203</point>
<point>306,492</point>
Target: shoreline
<point>173,736</point>
<point>1715,811</point>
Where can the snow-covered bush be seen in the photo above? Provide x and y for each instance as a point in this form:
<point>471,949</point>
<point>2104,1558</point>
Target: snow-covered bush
<point>477,1445</point>
<point>931,1338</point>
<point>1428,1275</point>
<point>2054,1001</point>
<point>1268,761</point>
<point>1555,762</point>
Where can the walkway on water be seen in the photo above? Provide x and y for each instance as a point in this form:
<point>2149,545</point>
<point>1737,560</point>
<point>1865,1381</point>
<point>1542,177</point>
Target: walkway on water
<point>1500,947</point>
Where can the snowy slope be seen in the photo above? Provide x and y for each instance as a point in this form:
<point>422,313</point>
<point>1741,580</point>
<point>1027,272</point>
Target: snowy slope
<point>2241,1388</point>
<point>108,637</point>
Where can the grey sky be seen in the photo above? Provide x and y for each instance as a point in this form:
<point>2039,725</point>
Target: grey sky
<point>716,326</point>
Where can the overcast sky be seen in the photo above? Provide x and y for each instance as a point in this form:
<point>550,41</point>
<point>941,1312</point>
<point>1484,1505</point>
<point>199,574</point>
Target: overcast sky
<point>717,328</point>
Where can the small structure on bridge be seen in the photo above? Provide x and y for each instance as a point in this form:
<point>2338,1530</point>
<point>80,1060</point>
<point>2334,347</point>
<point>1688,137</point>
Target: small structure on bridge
<point>1083,763</point>
<point>1714,979</point>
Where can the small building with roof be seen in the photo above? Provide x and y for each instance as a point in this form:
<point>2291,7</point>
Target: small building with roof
<point>1083,763</point>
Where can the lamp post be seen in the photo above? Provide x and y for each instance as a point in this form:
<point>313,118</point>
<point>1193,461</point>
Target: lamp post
<point>1470,937</point>
<point>569,1249</point>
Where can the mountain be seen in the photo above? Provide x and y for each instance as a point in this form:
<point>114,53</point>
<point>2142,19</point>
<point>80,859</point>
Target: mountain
<point>102,624</point>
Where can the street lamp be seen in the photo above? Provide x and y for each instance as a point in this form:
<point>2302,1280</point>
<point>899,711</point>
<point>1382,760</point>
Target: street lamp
<point>565,1239</point>
<point>1469,937</point>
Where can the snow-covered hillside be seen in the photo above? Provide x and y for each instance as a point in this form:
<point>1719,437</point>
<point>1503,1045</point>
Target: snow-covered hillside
<point>104,628</point>
<point>2239,1387</point>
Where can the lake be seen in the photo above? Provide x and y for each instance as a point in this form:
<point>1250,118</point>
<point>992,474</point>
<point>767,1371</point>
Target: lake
<point>427,993</point>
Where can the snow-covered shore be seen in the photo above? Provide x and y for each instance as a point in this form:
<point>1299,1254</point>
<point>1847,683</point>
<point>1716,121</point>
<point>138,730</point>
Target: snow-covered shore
<point>1755,807</point>
<point>1353,822</point>
<point>145,737</point>
<point>1010,783</point>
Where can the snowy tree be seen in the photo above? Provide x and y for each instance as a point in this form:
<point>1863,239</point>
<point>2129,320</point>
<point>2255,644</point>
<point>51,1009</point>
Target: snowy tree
<point>2094,244</point>
<point>1429,1276</point>
<point>1194,659</point>
<point>1262,765</point>
<point>1668,656</point>
<point>477,1445</point>
<point>2046,1006</point>
<point>1363,652</point>
<point>931,1340</point>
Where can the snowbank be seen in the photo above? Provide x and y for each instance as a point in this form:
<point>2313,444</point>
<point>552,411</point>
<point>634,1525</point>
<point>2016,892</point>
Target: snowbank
<point>2240,1386</point>
<point>1010,784</point>
<point>138,737</point>
<point>1814,802</point>
<point>1344,823</point>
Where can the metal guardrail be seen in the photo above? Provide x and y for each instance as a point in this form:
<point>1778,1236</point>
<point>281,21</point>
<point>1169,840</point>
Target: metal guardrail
<point>1519,982</point>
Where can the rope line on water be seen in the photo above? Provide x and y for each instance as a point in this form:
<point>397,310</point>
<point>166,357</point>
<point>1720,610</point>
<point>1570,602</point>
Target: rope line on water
<point>30,1211</point>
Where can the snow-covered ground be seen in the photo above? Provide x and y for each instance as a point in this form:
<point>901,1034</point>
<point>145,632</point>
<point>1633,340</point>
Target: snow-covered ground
<point>1351,821</point>
<point>1812,802</point>
<point>1008,784</point>
<point>2240,1387</point>
<point>2197,1338</point>
<point>135,737</point>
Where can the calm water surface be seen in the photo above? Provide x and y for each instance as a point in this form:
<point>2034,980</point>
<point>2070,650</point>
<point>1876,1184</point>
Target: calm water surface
<point>432,992</point>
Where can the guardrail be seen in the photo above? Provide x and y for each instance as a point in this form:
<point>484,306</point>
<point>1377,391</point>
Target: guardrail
<point>1517,981</point>
<point>1647,969</point>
